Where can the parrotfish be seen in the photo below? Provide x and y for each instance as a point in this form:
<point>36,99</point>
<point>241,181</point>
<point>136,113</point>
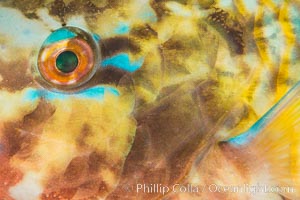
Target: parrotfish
<point>148,99</point>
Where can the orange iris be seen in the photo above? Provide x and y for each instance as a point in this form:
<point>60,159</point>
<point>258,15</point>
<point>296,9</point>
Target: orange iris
<point>82,48</point>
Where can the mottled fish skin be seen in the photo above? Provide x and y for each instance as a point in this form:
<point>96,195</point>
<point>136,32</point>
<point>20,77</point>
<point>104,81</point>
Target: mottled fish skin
<point>175,78</point>
<point>252,164</point>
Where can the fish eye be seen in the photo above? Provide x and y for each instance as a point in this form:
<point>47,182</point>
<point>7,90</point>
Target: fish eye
<point>68,58</point>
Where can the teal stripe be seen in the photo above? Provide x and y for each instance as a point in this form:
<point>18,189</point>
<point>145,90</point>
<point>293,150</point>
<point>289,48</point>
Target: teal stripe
<point>60,34</point>
<point>96,93</point>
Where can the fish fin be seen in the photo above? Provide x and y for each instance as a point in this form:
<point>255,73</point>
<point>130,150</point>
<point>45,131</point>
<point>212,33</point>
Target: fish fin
<point>276,139</point>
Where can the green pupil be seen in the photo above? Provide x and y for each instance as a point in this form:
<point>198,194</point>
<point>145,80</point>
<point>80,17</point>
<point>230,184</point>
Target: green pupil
<point>66,62</point>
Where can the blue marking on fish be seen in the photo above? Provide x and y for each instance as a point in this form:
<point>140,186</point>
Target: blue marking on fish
<point>247,136</point>
<point>122,61</point>
<point>61,34</point>
<point>96,37</point>
<point>122,28</point>
<point>96,93</point>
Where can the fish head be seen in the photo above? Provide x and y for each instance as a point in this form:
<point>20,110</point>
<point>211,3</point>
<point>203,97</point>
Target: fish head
<point>66,122</point>
<point>97,96</point>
